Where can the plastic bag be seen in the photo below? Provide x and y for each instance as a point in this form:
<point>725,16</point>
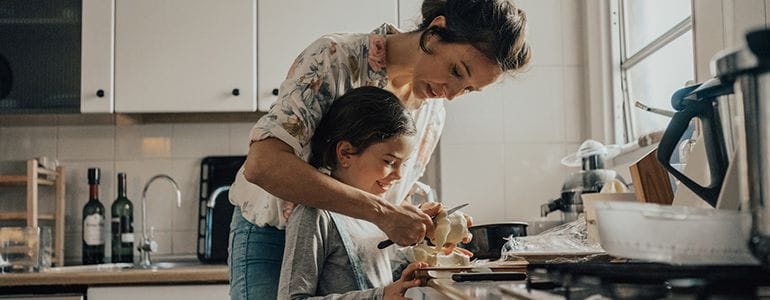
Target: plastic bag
<point>568,238</point>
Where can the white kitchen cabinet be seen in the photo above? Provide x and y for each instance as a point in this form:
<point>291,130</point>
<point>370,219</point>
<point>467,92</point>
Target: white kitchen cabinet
<point>97,49</point>
<point>185,56</point>
<point>161,292</point>
<point>288,27</point>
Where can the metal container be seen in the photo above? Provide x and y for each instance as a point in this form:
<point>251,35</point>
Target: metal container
<point>748,70</point>
<point>488,240</point>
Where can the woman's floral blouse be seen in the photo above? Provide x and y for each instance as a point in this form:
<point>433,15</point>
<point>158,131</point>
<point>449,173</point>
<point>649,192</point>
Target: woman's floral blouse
<point>328,67</point>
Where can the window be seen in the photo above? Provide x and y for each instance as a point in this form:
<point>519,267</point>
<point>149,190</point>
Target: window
<point>656,59</point>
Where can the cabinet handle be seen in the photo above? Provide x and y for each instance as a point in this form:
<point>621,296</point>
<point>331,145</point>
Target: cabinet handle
<point>275,92</point>
<point>236,92</point>
<point>100,93</point>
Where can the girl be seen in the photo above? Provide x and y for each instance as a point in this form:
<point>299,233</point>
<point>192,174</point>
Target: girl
<point>362,141</point>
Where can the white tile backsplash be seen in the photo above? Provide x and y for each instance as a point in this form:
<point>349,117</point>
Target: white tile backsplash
<point>475,118</point>
<point>474,174</point>
<point>544,24</point>
<point>187,141</point>
<point>239,138</point>
<point>143,141</point>
<point>573,35</point>
<point>533,176</point>
<point>575,108</point>
<point>184,242</point>
<point>86,143</point>
<point>25,142</point>
<point>533,106</point>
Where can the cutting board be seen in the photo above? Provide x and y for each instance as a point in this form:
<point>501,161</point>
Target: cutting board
<point>512,266</point>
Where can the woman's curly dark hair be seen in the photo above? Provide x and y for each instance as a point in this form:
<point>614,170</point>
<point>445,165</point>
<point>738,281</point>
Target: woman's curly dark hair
<point>497,28</point>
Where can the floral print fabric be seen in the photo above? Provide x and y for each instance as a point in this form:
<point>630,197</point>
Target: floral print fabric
<point>324,71</point>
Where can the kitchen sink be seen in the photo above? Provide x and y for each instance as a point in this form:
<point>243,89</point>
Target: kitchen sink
<point>161,263</point>
<point>91,268</point>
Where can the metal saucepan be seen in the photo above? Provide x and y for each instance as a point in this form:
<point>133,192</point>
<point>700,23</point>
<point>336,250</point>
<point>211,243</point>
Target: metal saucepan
<point>488,240</point>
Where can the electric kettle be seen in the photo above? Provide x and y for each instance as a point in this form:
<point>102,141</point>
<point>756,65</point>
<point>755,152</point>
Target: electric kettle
<point>699,101</point>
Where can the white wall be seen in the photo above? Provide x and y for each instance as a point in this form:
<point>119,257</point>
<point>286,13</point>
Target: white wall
<point>139,150</point>
<point>501,149</point>
<point>723,26</point>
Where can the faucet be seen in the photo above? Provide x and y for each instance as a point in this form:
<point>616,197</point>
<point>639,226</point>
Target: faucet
<point>148,245</point>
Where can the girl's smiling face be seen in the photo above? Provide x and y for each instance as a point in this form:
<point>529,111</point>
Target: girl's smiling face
<point>376,168</point>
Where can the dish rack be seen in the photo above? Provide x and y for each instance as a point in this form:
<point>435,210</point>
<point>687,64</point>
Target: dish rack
<point>39,176</point>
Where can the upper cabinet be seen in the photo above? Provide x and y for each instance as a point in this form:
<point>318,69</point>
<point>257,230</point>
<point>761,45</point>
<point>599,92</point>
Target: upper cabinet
<point>97,49</point>
<point>288,27</point>
<point>185,56</point>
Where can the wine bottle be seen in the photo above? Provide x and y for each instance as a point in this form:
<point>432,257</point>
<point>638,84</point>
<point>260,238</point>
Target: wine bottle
<point>122,225</point>
<point>93,222</point>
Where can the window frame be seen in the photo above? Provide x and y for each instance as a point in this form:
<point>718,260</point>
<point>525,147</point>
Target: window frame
<point>622,62</point>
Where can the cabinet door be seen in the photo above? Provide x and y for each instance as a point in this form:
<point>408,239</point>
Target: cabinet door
<point>163,292</point>
<point>185,56</point>
<point>288,27</point>
<point>96,84</point>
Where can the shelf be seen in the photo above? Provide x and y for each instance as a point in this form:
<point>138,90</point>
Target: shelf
<point>22,216</point>
<point>21,180</point>
<point>35,177</point>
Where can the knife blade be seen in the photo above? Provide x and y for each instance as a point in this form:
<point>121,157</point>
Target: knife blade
<point>384,244</point>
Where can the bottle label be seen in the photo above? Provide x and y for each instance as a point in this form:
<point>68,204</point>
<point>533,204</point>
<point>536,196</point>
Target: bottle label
<point>93,230</point>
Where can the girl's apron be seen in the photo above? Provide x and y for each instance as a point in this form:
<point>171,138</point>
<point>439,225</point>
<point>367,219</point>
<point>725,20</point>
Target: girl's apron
<point>371,266</point>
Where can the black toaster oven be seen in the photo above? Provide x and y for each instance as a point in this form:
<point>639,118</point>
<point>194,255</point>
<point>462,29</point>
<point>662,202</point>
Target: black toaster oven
<point>216,211</point>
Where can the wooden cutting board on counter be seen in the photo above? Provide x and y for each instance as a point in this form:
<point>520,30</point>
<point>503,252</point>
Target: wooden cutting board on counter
<point>511,266</point>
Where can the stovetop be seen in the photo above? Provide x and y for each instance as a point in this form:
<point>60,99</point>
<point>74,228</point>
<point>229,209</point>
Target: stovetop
<point>648,281</point>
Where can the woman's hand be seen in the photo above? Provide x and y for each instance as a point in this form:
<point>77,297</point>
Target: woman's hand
<point>405,224</point>
<point>397,289</point>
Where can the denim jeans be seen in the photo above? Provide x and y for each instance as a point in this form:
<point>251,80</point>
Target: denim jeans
<point>255,259</point>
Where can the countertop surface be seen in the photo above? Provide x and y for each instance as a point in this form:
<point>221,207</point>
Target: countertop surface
<point>183,274</point>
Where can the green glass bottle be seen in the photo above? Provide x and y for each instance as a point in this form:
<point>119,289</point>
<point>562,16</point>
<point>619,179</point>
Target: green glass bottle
<point>122,225</point>
<point>93,222</point>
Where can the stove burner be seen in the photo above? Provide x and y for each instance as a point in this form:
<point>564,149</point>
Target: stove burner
<point>647,280</point>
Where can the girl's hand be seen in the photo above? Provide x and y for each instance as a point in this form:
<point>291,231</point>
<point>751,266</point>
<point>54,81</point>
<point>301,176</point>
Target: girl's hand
<point>397,289</point>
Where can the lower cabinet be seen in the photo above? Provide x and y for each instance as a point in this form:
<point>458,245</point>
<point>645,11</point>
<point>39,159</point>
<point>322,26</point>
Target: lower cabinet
<point>160,292</point>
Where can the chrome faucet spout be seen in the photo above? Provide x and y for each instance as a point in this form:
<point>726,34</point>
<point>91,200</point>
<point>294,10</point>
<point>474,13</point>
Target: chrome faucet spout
<point>148,245</point>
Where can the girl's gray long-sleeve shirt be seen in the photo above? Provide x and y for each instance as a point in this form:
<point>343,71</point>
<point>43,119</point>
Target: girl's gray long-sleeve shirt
<point>315,262</point>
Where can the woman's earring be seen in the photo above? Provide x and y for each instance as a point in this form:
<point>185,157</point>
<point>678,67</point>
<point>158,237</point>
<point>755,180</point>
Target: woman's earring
<point>345,165</point>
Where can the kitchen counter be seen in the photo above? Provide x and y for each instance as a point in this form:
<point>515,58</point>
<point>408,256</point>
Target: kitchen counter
<point>482,290</point>
<point>187,274</point>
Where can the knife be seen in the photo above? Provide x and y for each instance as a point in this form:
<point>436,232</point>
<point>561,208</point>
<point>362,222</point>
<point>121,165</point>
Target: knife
<point>384,244</point>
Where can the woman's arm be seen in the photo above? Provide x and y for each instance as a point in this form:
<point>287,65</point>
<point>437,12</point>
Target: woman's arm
<point>272,165</point>
<point>281,138</point>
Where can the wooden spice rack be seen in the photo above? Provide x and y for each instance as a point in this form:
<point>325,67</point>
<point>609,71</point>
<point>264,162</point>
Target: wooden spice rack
<point>38,176</point>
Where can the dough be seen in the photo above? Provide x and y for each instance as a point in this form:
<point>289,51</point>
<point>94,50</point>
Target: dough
<point>449,230</point>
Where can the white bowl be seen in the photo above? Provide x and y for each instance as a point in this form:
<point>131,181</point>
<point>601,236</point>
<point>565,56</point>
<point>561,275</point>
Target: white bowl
<point>673,234</point>
<point>590,211</point>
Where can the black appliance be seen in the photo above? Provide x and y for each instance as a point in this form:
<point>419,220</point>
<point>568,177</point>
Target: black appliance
<point>216,211</point>
<point>641,280</point>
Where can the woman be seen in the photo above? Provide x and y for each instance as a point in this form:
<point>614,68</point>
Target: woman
<point>460,46</point>
<point>363,141</point>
